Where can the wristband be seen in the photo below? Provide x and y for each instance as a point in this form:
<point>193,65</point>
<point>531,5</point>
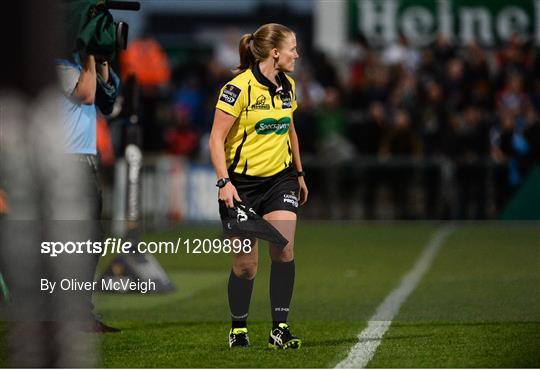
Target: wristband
<point>301,173</point>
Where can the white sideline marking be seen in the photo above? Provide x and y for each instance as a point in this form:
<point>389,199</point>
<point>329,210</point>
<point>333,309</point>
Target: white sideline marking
<point>370,338</point>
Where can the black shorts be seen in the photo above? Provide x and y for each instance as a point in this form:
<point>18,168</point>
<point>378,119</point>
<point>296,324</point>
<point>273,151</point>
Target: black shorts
<point>266,194</point>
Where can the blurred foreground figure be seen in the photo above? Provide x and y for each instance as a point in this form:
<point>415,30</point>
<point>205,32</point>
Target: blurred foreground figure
<point>41,188</point>
<point>87,82</point>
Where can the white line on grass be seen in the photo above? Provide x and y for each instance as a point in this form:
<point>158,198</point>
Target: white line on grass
<point>370,338</point>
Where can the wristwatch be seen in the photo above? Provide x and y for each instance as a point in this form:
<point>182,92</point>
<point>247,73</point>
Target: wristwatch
<point>222,182</point>
<point>301,173</point>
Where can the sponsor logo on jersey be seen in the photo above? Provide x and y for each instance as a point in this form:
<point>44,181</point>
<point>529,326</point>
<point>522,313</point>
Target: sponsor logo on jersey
<point>269,126</point>
<point>260,104</point>
<point>286,101</point>
<point>230,94</point>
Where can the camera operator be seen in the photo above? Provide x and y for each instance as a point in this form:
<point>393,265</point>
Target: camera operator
<point>87,82</point>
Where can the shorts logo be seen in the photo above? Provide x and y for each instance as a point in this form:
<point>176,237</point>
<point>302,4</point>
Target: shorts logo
<point>230,94</point>
<point>260,104</point>
<point>286,101</point>
<point>291,199</point>
<point>269,126</point>
<point>241,216</point>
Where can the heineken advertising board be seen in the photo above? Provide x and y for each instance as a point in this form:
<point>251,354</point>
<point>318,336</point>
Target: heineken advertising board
<point>490,22</point>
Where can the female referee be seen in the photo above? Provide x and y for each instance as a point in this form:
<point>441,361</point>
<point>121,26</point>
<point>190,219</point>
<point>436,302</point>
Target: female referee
<point>255,153</point>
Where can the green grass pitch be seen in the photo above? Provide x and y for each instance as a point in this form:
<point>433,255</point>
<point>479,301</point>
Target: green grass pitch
<point>478,305</point>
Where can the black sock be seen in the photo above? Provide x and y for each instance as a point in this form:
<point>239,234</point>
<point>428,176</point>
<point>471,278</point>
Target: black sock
<point>238,324</point>
<point>281,289</point>
<point>239,299</point>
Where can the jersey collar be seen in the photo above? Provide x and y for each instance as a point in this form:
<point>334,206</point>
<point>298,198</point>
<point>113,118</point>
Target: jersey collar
<point>285,84</point>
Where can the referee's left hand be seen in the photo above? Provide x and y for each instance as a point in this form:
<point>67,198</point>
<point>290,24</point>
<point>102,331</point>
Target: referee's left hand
<point>303,190</point>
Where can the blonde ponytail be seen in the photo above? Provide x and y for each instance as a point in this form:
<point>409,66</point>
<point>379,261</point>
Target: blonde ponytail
<point>255,47</point>
<point>247,59</point>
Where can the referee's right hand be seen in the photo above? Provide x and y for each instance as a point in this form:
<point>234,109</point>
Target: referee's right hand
<point>228,193</point>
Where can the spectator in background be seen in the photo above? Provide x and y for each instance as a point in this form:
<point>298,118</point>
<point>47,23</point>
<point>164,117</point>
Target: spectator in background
<point>377,83</point>
<point>334,148</point>
<point>366,136</point>
<point>331,120</point>
<point>360,81</point>
<point>515,145</point>
<point>468,146</point>
<point>310,91</point>
<point>226,52</point>
<point>511,58</point>
<point>509,144</point>
<point>433,119</point>
<point>310,95</point>
<point>357,55</point>
<point>325,72</point>
<point>3,203</point>
<point>146,59</point>
<point>400,53</point>
<point>399,142</point>
<point>428,69</point>
<point>535,94</point>
<point>454,83</point>
<point>500,138</point>
<point>182,138</point>
<point>478,76</point>
<point>433,126</point>
<point>190,127</point>
<point>513,97</point>
<point>532,135</point>
<point>404,94</point>
<point>103,142</point>
<point>443,51</point>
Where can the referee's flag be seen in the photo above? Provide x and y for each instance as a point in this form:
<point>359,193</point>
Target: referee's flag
<point>242,221</point>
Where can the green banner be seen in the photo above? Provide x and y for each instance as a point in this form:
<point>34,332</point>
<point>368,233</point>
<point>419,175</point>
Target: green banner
<point>525,205</point>
<point>4,292</point>
<point>489,22</point>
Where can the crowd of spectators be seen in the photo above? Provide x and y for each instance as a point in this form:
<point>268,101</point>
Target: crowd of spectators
<point>473,107</point>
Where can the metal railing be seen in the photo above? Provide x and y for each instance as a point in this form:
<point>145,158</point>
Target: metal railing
<point>364,187</point>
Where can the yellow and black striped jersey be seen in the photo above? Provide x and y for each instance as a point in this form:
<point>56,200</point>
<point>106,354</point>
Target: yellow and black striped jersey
<point>258,142</point>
